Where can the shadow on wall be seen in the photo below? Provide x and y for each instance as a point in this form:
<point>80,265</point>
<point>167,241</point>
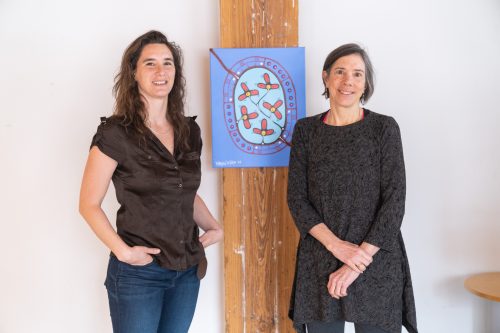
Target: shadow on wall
<point>453,290</point>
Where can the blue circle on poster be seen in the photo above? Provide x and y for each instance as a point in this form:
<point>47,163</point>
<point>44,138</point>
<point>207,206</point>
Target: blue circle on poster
<point>255,99</point>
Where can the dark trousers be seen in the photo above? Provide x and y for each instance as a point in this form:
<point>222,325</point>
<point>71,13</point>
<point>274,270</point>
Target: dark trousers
<point>338,327</point>
<point>150,298</point>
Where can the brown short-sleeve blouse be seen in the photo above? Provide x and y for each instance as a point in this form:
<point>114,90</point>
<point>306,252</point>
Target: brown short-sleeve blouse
<point>155,191</point>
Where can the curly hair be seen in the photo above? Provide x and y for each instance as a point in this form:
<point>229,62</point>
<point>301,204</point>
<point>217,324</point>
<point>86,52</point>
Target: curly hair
<point>129,104</point>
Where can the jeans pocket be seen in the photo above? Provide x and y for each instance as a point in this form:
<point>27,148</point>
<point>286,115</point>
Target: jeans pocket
<point>149,264</point>
<point>124,264</point>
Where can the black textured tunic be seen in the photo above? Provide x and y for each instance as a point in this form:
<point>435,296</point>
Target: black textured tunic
<point>352,178</point>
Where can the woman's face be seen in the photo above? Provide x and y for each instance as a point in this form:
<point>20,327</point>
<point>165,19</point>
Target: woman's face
<point>346,81</point>
<point>155,71</point>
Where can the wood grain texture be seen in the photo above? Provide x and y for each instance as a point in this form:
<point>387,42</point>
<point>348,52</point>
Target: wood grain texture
<point>260,238</point>
<point>254,23</point>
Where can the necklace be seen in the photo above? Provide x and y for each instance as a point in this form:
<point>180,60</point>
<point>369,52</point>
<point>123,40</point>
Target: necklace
<point>166,132</point>
<point>159,133</point>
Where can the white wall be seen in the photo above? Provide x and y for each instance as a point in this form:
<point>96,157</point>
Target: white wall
<point>438,70</point>
<point>58,62</point>
<point>437,74</point>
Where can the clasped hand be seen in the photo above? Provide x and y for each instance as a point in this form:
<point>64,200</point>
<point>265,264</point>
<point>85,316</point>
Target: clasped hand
<point>340,280</point>
<point>355,261</point>
<point>352,255</point>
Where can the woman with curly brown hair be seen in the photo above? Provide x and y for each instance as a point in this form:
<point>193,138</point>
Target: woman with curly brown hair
<point>151,152</point>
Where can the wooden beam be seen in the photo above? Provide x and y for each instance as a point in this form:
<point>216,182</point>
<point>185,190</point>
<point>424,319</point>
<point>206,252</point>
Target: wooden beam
<point>260,238</point>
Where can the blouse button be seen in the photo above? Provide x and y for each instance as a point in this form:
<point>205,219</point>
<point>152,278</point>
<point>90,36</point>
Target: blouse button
<point>176,167</point>
<point>149,157</point>
<point>180,185</point>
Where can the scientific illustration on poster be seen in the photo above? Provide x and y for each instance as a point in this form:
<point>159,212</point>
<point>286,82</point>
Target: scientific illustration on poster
<point>258,94</point>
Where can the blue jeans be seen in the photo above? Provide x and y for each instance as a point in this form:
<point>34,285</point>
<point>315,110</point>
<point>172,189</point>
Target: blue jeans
<point>150,298</point>
<point>338,327</point>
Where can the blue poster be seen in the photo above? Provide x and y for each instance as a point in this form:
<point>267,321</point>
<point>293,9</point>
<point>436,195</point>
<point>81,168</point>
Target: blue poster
<point>257,96</point>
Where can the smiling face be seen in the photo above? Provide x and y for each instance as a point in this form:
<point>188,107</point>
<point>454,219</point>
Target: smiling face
<point>346,81</point>
<point>155,71</point>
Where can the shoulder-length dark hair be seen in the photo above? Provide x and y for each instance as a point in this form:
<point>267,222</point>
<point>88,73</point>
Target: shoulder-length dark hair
<point>345,50</point>
<point>129,104</point>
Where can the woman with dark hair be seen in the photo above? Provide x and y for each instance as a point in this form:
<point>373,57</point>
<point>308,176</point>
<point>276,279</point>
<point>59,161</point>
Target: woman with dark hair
<point>151,152</point>
<point>346,193</point>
